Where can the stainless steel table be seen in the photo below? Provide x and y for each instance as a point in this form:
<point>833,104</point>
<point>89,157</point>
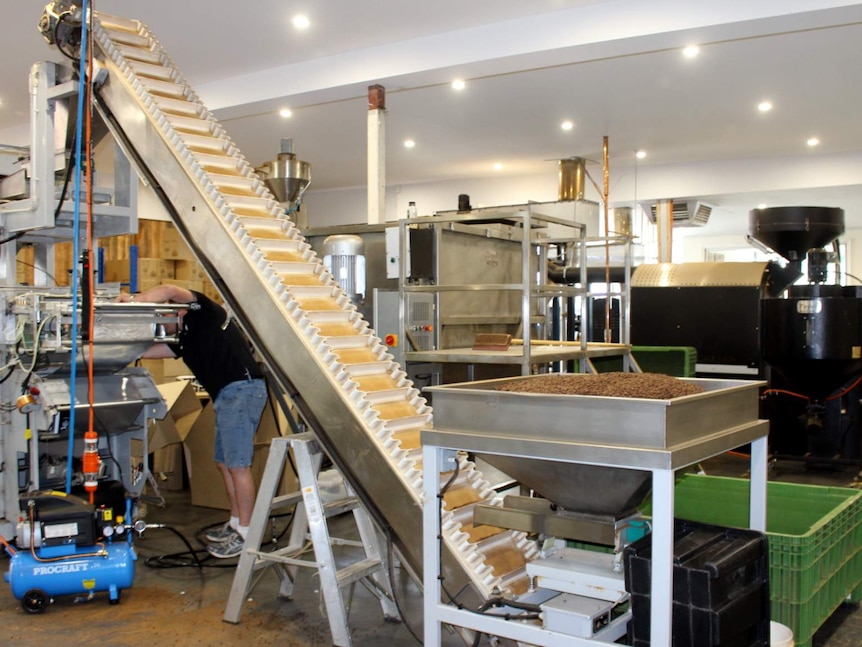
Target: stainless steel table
<point>662,462</point>
<point>538,353</point>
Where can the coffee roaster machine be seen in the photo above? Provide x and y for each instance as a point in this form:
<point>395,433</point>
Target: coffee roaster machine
<point>791,322</point>
<point>812,338</point>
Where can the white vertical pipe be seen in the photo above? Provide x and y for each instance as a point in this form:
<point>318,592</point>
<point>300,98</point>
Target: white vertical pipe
<point>376,155</point>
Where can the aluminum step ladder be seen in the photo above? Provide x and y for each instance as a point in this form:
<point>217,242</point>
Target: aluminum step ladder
<point>310,519</point>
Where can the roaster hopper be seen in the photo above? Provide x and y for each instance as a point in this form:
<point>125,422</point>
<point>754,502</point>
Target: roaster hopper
<point>596,422</point>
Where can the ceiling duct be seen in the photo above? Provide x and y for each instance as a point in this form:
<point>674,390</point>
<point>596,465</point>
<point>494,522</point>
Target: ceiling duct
<point>685,214</point>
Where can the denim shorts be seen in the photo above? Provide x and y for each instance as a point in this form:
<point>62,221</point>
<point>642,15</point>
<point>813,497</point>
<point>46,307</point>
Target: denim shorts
<point>237,414</point>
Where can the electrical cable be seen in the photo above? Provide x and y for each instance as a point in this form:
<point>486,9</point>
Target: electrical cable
<point>60,20</point>
<point>845,391</point>
<point>11,238</point>
<point>76,229</point>
<point>190,559</point>
<point>390,558</point>
<point>181,560</point>
<point>532,611</point>
<point>88,310</point>
<point>786,392</point>
<point>274,411</point>
<point>9,547</point>
<point>20,262</point>
<point>11,368</point>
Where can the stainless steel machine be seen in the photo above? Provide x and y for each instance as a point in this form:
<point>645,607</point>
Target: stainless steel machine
<point>47,344</point>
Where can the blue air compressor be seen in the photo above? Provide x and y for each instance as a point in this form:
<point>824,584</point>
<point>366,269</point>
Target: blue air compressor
<point>67,546</point>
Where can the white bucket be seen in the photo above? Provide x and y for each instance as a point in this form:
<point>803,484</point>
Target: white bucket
<point>780,635</point>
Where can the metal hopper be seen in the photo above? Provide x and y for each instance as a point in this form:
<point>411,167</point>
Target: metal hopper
<point>597,422</point>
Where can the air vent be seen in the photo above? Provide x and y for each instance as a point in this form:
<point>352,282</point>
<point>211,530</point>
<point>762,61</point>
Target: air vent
<point>685,214</point>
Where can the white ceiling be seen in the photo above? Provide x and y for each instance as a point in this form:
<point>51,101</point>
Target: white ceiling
<point>611,66</point>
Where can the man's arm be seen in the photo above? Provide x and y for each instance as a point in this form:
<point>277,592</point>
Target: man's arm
<point>158,351</point>
<point>160,294</point>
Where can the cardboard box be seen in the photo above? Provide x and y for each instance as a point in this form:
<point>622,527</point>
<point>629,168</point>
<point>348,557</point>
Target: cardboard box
<point>205,479</point>
<point>173,245</point>
<point>165,370</point>
<point>186,270</point>
<point>147,283</point>
<point>168,467</point>
<point>184,408</point>
<point>149,269</point>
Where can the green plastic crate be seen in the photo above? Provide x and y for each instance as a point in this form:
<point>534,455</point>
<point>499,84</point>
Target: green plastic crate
<point>678,361</point>
<point>815,542</point>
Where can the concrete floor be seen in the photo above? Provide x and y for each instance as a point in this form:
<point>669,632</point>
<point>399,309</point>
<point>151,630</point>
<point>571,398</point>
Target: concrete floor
<point>175,602</point>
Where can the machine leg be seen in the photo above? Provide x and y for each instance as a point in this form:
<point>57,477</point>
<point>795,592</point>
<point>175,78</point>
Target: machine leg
<point>661,620</point>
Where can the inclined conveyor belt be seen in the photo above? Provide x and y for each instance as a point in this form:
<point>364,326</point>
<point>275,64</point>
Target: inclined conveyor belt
<point>367,414</point>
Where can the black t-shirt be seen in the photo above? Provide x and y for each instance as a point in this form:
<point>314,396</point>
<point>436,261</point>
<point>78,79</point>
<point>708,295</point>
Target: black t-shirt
<point>216,356</point>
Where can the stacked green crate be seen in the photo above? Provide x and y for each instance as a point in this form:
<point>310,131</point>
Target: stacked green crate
<point>678,361</point>
<point>815,542</point>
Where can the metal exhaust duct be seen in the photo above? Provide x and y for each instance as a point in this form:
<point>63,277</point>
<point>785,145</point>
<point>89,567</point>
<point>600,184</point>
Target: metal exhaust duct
<point>685,214</point>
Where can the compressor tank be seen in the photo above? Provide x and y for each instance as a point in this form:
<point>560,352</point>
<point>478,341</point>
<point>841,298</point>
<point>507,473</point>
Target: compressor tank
<point>36,579</point>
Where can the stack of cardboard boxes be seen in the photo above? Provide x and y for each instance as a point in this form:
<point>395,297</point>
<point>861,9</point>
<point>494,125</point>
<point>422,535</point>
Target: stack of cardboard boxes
<point>186,437</point>
<point>177,266</point>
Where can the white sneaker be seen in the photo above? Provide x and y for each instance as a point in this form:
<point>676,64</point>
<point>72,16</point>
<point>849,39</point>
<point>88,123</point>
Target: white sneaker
<point>221,534</point>
<point>228,549</point>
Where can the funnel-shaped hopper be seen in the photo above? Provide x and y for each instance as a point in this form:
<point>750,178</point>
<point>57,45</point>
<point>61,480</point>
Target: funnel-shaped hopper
<point>286,177</point>
<point>588,489</point>
<point>792,231</point>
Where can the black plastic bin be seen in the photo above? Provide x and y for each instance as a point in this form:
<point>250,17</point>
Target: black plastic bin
<point>720,587</point>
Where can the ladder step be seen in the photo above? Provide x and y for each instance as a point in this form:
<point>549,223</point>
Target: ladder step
<point>335,508</point>
<point>286,555</point>
<point>357,571</point>
<point>285,500</point>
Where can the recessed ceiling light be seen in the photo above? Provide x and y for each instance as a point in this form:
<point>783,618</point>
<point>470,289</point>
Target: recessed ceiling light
<point>762,205</point>
<point>640,154</point>
<point>285,113</point>
<point>458,84</point>
<point>498,166</point>
<point>691,51</point>
<point>813,141</point>
<point>301,21</point>
<point>764,106</point>
<point>567,125</point>
<point>409,143</point>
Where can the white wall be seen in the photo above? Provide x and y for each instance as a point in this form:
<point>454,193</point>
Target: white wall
<point>348,206</point>
<point>733,188</point>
